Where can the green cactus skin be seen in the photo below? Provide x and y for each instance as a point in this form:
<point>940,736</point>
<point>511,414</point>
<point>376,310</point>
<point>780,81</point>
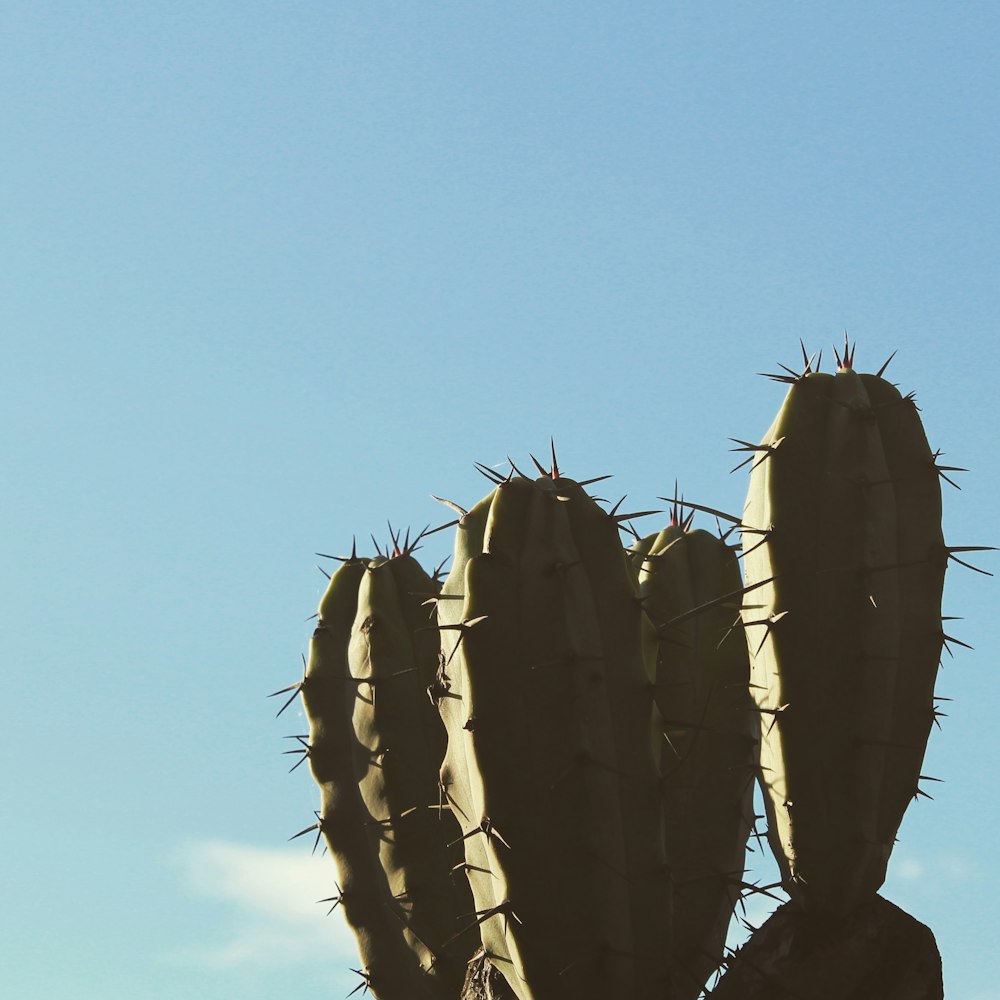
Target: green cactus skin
<point>710,735</point>
<point>843,512</point>
<point>375,748</point>
<point>548,706</point>
<point>458,776</point>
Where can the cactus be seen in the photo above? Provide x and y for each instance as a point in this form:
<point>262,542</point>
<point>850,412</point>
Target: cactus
<point>710,733</point>
<point>842,520</point>
<point>375,746</point>
<point>573,800</point>
<point>548,703</point>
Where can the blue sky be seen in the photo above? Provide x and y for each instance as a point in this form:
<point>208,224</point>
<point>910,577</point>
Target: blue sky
<point>272,275</point>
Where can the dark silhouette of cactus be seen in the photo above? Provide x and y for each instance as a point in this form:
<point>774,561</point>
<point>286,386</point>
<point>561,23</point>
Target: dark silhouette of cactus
<point>843,519</point>
<point>707,753</point>
<point>537,777</point>
<point>374,746</point>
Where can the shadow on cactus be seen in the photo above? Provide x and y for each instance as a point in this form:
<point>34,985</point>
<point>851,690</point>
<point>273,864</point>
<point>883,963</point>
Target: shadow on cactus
<point>537,777</point>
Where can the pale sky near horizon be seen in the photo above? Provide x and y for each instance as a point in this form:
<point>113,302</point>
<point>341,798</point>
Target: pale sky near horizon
<point>273,275</point>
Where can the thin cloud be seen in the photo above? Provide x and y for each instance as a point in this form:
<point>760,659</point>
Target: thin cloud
<point>951,867</point>
<point>271,895</point>
<point>908,869</point>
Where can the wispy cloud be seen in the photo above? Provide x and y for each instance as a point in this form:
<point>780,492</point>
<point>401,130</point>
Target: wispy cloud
<point>950,867</point>
<point>908,869</point>
<point>271,896</point>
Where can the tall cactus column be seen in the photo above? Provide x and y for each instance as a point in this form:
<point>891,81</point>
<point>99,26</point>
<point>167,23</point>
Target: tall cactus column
<point>548,704</point>
<point>691,590</point>
<point>843,517</point>
<point>375,747</point>
<point>843,545</point>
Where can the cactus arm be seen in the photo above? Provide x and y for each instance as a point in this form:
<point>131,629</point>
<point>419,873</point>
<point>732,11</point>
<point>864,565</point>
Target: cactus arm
<point>709,737</point>
<point>402,738</point>
<point>636,723</point>
<point>828,642</point>
<point>542,739</point>
<point>389,967</point>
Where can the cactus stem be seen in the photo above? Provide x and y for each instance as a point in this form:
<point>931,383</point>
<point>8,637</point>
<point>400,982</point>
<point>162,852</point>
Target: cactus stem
<point>592,954</point>
<point>582,760</point>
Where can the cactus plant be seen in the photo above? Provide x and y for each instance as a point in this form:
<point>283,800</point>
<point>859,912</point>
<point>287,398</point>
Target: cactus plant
<point>573,801</point>
<point>374,747</point>
<point>548,703</point>
<point>842,527</point>
<point>710,733</point>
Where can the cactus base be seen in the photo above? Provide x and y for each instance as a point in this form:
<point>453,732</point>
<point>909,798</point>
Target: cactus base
<point>877,950</point>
